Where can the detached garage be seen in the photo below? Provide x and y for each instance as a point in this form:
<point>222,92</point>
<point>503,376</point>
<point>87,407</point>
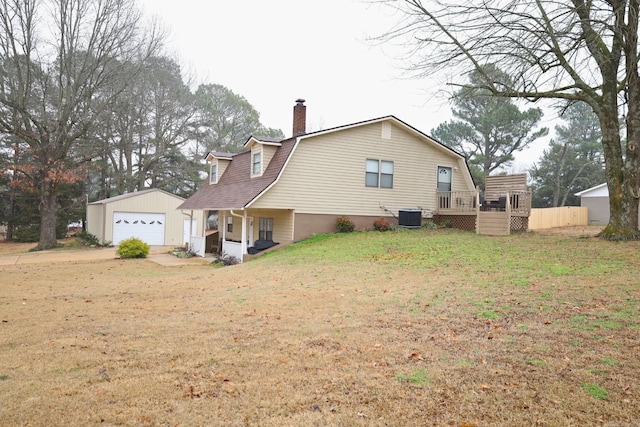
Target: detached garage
<point>597,200</point>
<point>150,215</point>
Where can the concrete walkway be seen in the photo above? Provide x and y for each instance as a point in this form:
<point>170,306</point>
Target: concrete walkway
<point>157,254</point>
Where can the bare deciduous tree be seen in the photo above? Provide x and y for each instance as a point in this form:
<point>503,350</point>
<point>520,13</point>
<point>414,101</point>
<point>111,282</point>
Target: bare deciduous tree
<point>56,57</point>
<point>577,50</point>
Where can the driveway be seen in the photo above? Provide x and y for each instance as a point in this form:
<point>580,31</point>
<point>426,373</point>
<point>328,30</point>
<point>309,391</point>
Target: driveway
<point>157,254</point>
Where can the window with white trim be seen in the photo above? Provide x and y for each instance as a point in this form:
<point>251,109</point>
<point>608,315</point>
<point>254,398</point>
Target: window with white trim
<point>213,173</point>
<point>265,229</point>
<point>230,224</point>
<point>257,163</point>
<point>379,173</point>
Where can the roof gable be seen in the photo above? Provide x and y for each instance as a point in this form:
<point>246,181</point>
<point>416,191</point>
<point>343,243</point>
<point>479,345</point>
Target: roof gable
<point>262,140</point>
<point>600,190</point>
<point>134,194</point>
<point>212,155</point>
<point>437,144</point>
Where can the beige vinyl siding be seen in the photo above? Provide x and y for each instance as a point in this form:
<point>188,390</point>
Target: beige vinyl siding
<point>95,222</point>
<point>282,223</point>
<point>326,173</point>
<point>267,154</point>
<point>222,166</point>
<point>236,234</point>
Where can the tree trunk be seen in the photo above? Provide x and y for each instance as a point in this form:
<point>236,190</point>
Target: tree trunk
<point>623,206</point>
<point>48,213</point>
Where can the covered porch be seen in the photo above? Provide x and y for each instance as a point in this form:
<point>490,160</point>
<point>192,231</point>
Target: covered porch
<point>243,233</point>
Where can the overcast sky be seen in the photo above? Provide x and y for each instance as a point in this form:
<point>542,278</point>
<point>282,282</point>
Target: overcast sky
<point>274,52</point>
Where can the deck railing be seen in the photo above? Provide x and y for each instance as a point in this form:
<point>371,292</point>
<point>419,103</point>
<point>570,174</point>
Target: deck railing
<point>457,201</point>
<point>520,202</point>
<point>467,202</point>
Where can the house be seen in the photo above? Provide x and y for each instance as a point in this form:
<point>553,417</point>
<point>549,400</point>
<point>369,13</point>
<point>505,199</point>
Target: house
<point>597,200</point>
<point>149,215</point>
<point>287,190</point>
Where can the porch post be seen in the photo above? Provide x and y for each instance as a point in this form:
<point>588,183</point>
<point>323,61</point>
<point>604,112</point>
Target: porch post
<point>244,231</point>
<point>224,225</point>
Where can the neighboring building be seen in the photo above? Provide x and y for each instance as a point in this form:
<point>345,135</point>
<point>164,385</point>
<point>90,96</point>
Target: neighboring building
<point>287,190</point>
<point>597,200</point>
<point>150,215</point>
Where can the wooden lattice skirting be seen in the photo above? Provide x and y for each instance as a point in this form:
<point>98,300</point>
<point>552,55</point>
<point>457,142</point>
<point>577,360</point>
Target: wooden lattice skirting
<point>461,222</point>
<point>519,223</point>
<point>468,222</point>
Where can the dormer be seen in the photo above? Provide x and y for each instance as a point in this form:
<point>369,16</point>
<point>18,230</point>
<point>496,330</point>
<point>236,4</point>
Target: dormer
<point>262,151</point>
<point>218,163</point>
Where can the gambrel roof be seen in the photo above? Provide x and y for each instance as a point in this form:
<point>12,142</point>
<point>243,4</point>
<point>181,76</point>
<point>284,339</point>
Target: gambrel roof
<point>237,189</point>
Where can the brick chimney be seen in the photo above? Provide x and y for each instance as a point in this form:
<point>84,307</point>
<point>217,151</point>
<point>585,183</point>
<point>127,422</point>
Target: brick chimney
<point>299,118</point>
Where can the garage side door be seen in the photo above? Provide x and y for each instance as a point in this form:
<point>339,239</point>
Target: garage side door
<point>148,227</point>
<point>188,231</point>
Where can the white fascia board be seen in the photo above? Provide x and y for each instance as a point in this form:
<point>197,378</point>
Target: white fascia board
<point>600,190</point>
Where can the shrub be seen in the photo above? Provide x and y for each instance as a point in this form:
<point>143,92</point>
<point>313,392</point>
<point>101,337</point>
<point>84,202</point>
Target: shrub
<point>344,224</point>
<point>87,238</point>
<point>27,234</point>
<point>133,248</point>
<point>226,259</point>
<point>381,224</point>
<point>31,233</point>
<point>429,225</point>
<point>445,224</point>
<point>182,253</point>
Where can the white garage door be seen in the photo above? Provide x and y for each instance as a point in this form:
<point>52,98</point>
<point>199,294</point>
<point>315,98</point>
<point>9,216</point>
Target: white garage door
<point>148,227</point>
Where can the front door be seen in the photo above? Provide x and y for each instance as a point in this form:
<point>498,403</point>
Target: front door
<point>249,231</point>
<point>444,187</point>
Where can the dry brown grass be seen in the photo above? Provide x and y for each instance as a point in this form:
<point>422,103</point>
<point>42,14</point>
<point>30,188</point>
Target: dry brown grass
<point>330,335</point>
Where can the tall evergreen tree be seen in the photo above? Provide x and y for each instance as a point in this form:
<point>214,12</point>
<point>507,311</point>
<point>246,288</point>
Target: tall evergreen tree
<point>488,130</point>
<point>226,120</point>
<point>572,163</point>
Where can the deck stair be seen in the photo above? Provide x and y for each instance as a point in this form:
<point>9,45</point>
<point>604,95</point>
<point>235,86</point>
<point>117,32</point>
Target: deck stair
<point>505,196</point>
<point>496,223</point>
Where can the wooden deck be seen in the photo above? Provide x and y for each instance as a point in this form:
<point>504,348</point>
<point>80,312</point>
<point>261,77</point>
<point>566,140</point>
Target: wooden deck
<point>506,206</point>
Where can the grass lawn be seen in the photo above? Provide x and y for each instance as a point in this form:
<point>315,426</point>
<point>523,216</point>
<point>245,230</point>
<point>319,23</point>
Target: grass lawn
<point>408,328</point>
